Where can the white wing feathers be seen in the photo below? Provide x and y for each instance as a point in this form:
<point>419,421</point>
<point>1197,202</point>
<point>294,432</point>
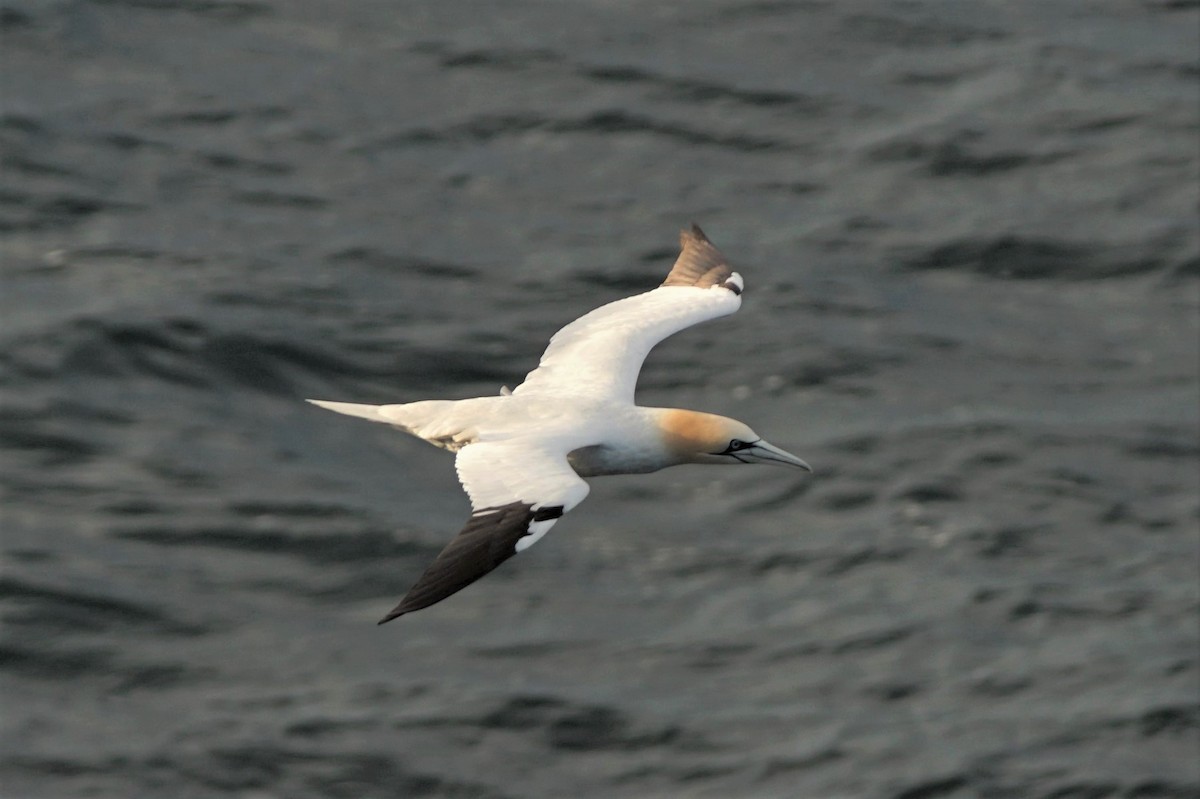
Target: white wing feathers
<point>498,473</point>
<point>601,353</point>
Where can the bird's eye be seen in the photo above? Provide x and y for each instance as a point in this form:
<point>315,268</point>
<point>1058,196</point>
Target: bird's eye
<point>736,445</point>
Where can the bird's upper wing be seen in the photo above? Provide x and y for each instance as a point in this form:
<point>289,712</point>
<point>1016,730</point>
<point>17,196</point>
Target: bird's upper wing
<point>601,353</point>
<point>518,489</point>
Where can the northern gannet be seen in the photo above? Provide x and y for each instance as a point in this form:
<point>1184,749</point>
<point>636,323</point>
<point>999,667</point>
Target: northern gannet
<point>521,456</point>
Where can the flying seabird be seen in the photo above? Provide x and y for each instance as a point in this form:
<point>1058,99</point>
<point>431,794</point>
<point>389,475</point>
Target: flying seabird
<point>522,456</point>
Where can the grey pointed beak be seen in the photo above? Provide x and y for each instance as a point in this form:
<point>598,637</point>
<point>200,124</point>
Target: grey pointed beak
<point>762,452</point>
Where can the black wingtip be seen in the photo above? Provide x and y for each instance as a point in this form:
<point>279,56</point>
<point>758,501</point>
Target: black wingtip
<point>489,538</point>
<point>395,614</point>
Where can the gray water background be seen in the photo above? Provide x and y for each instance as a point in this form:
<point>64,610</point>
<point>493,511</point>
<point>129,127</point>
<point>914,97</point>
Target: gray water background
<point>969,237</point>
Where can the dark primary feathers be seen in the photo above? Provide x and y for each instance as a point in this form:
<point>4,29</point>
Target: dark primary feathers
<point>700,263</point>
<point>489,539</point>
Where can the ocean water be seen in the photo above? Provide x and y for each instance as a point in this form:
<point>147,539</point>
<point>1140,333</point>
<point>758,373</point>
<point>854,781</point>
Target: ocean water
<point>969,236</point>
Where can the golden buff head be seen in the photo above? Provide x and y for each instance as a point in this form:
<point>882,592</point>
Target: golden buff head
<point>695,437</point>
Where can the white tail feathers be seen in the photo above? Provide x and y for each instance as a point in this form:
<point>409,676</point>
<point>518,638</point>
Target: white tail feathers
<point>443,423</point>
<point>354,409</point>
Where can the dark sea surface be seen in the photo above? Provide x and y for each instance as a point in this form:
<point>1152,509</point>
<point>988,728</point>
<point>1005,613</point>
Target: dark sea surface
<point>970,242</point>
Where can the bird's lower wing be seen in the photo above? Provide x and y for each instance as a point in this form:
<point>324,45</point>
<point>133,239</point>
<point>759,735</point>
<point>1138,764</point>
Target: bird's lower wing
<point>518,491</point>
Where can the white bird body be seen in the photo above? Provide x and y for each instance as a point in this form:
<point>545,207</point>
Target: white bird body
<point>522,455</point>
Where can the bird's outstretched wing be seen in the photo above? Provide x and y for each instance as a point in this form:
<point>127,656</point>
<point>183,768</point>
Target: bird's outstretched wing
<point>601,353</point>
<point>518,490</point>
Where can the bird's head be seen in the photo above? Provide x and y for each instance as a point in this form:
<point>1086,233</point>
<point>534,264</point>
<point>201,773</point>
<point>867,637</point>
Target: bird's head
<point>707,438</point>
